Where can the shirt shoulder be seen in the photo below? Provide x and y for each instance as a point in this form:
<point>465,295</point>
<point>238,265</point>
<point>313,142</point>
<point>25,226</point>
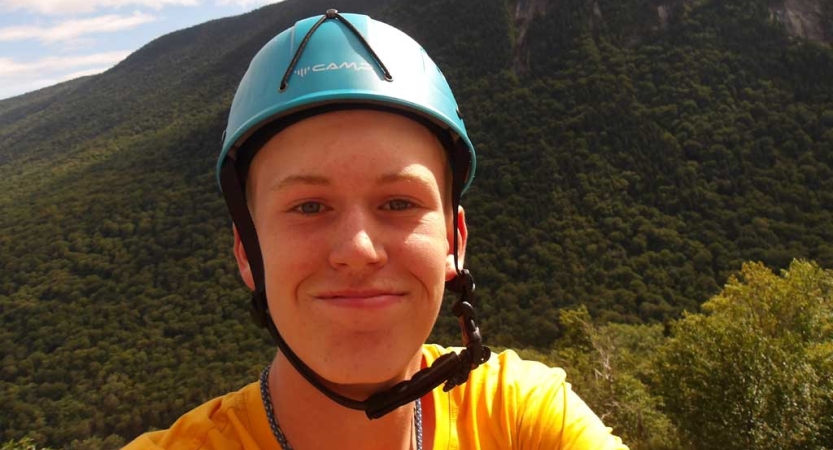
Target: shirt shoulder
<point>509,402</point>
<point>232,421</point>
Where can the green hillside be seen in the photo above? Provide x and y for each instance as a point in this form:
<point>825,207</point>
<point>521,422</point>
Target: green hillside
<point>622,165</point>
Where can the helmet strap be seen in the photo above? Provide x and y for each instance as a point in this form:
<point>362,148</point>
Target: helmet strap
<point>331,14</point>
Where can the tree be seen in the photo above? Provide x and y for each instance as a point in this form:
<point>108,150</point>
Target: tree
<point>22,444</point>
<point>755,368</point>
<point>607,365</point>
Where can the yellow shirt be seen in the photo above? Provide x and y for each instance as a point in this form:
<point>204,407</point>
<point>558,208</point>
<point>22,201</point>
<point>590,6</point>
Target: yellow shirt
<point>507,403</point>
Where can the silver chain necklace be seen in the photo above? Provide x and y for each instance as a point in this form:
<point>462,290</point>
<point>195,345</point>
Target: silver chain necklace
<point>266,396</point>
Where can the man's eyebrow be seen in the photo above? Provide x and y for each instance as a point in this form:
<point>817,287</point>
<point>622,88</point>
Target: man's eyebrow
<point>292,180</point>
<point>404,175</point>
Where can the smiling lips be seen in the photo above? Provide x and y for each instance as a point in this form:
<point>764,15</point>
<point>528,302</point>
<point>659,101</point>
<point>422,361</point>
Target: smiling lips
<point>365,298</point>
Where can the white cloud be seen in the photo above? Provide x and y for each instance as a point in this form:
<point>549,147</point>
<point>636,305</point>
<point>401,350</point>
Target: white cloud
<point>78,45</point>
<point>11,90</point>
<point>56,66</point>
<point>63,7</point>
<point>74,28</point>
<point>247,3</point>
<point>83,73</point>
<point>20,77</point>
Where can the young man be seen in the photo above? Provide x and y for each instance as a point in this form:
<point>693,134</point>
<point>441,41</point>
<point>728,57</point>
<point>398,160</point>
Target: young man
<point>343,165</point>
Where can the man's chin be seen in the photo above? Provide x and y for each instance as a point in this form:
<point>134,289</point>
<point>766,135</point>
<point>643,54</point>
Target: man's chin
<point>361,383</point>
<point>361,391</point>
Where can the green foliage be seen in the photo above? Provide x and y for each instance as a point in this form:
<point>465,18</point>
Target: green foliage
<point>22,444</point>
<point>621,166</point>
<point>634,175</point>
<point>756,368</point>
<point>608,366</point>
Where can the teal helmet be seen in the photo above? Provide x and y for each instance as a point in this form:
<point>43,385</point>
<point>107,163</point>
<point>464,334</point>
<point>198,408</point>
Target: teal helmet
<point>335,62</point>
<point>352,63</point>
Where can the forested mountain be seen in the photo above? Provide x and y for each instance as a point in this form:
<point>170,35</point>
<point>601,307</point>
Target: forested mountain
<point>631,156</point>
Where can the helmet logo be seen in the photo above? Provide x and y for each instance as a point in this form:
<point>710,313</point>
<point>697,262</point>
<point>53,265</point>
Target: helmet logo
<point>356,67</point>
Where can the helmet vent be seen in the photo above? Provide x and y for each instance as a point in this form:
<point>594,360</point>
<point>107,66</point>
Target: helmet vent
<point>331,14</point>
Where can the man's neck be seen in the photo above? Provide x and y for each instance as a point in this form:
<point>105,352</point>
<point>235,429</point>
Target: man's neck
<point>310,420</point>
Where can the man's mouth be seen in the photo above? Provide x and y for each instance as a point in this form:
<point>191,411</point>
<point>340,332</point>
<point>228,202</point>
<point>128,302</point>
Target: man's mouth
<point>362,298</point>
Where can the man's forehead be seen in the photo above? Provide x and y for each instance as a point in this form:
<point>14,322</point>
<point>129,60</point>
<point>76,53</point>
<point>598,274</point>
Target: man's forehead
<point>410,174</point>
<point>380,143</point>
<point>378,131</point>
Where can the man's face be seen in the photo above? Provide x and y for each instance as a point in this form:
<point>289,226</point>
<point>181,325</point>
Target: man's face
<point>356,238</point>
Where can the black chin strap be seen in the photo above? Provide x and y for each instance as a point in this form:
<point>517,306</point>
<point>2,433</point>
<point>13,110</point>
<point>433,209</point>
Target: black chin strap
<point>452,368</point>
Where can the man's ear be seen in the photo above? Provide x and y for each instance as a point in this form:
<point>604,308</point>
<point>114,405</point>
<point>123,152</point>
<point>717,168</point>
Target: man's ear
<point>242,261</point>
<point>462,236</point>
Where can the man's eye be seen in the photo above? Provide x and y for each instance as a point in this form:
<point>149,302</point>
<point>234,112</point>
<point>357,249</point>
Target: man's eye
<point>399,205</point>
<point>309,208</point>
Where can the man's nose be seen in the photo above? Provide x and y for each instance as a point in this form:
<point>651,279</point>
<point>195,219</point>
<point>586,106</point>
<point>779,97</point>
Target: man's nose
<point>357,242</point>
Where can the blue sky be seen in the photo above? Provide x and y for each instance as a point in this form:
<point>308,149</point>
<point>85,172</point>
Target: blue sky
<point>44,42</point>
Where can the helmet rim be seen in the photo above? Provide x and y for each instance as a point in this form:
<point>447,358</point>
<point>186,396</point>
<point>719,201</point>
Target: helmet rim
<point>283,111</point>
